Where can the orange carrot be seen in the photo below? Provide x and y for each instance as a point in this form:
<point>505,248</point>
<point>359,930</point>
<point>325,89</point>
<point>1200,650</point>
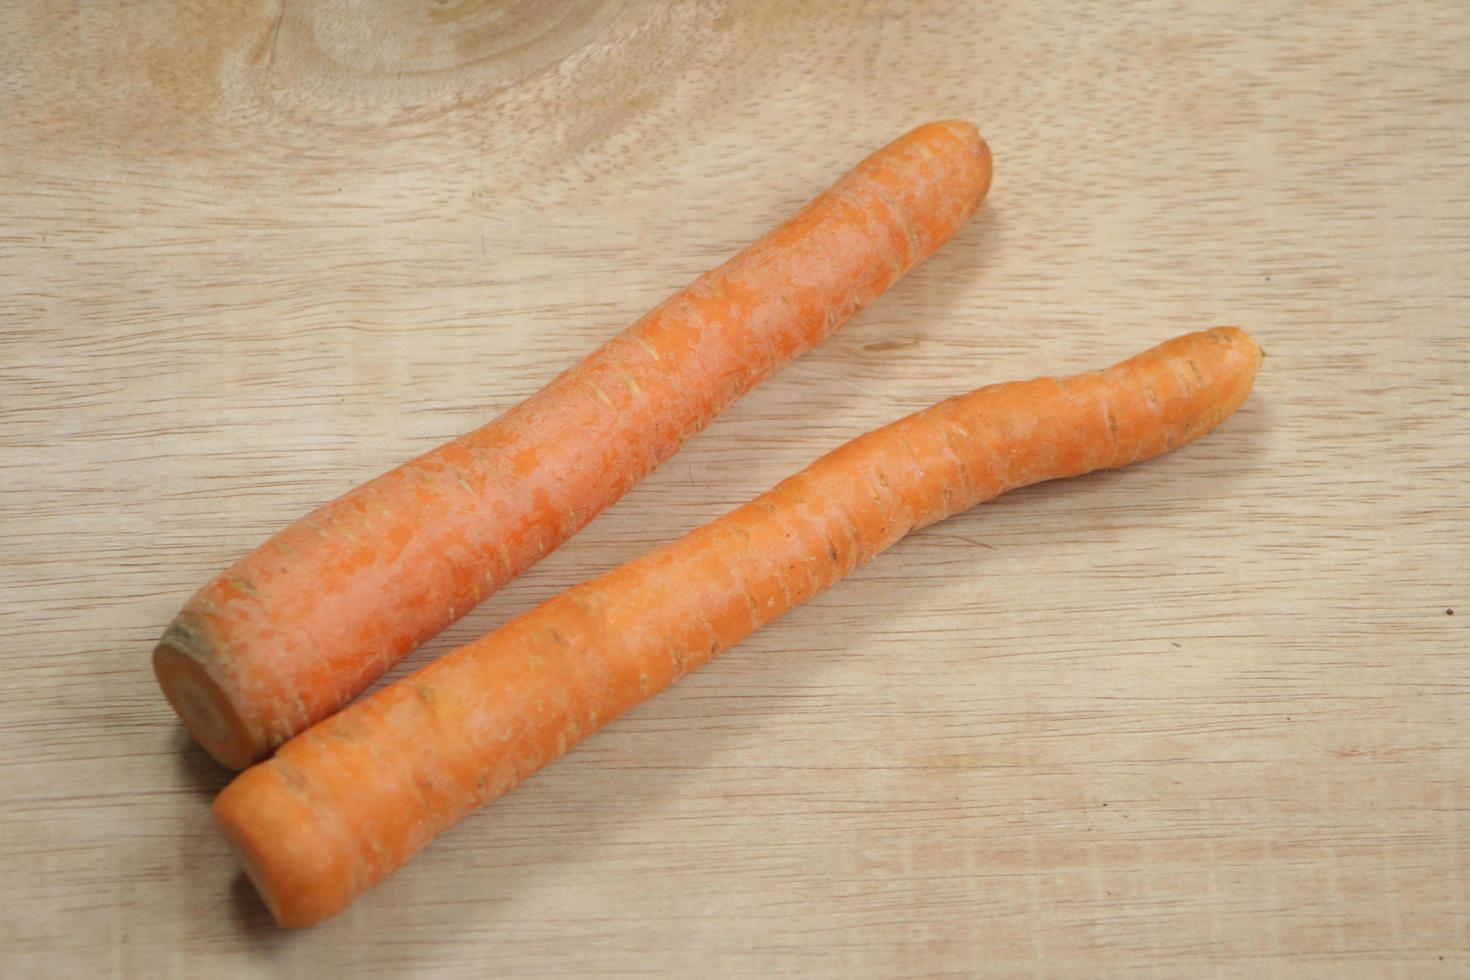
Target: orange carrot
<point>347,801</point>
<point>298,627</point>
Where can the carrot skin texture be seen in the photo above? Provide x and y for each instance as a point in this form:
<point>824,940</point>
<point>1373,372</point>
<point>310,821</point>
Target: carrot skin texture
<point>344,803</point>
<point>298,627</point>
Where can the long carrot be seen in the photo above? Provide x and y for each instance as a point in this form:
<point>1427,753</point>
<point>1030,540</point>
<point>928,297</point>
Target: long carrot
<point>298,627</point>
<point>346,802</point>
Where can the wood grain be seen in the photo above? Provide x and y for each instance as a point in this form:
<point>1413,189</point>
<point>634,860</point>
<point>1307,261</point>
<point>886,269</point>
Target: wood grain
<point>1205,717</point>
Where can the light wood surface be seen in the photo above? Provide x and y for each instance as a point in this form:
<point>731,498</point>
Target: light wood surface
<point>1210,716</point>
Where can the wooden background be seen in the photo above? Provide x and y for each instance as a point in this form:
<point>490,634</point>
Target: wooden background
<point>1208,716</point>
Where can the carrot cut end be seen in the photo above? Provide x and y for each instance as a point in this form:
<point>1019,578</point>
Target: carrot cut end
<point>204,707</point>
<point>278,838</point>
<point>251,865</point>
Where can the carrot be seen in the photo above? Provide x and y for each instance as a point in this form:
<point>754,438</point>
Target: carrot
<point>298,627</point>
<point>346,802</point>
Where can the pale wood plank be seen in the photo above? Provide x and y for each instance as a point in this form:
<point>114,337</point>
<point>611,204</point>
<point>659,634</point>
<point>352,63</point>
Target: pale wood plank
<point>1205,717</point>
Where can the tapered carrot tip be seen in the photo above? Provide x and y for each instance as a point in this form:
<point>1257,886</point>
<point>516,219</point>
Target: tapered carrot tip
<point>968,134</point>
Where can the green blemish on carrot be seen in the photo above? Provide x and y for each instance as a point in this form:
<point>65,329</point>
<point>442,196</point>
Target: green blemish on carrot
<point>243,584</point>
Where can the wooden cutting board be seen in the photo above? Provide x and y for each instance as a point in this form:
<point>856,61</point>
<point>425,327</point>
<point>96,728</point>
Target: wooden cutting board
<point>1204,717</point>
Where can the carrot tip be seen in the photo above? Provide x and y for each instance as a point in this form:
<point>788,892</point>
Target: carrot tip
<point>203,706</point>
